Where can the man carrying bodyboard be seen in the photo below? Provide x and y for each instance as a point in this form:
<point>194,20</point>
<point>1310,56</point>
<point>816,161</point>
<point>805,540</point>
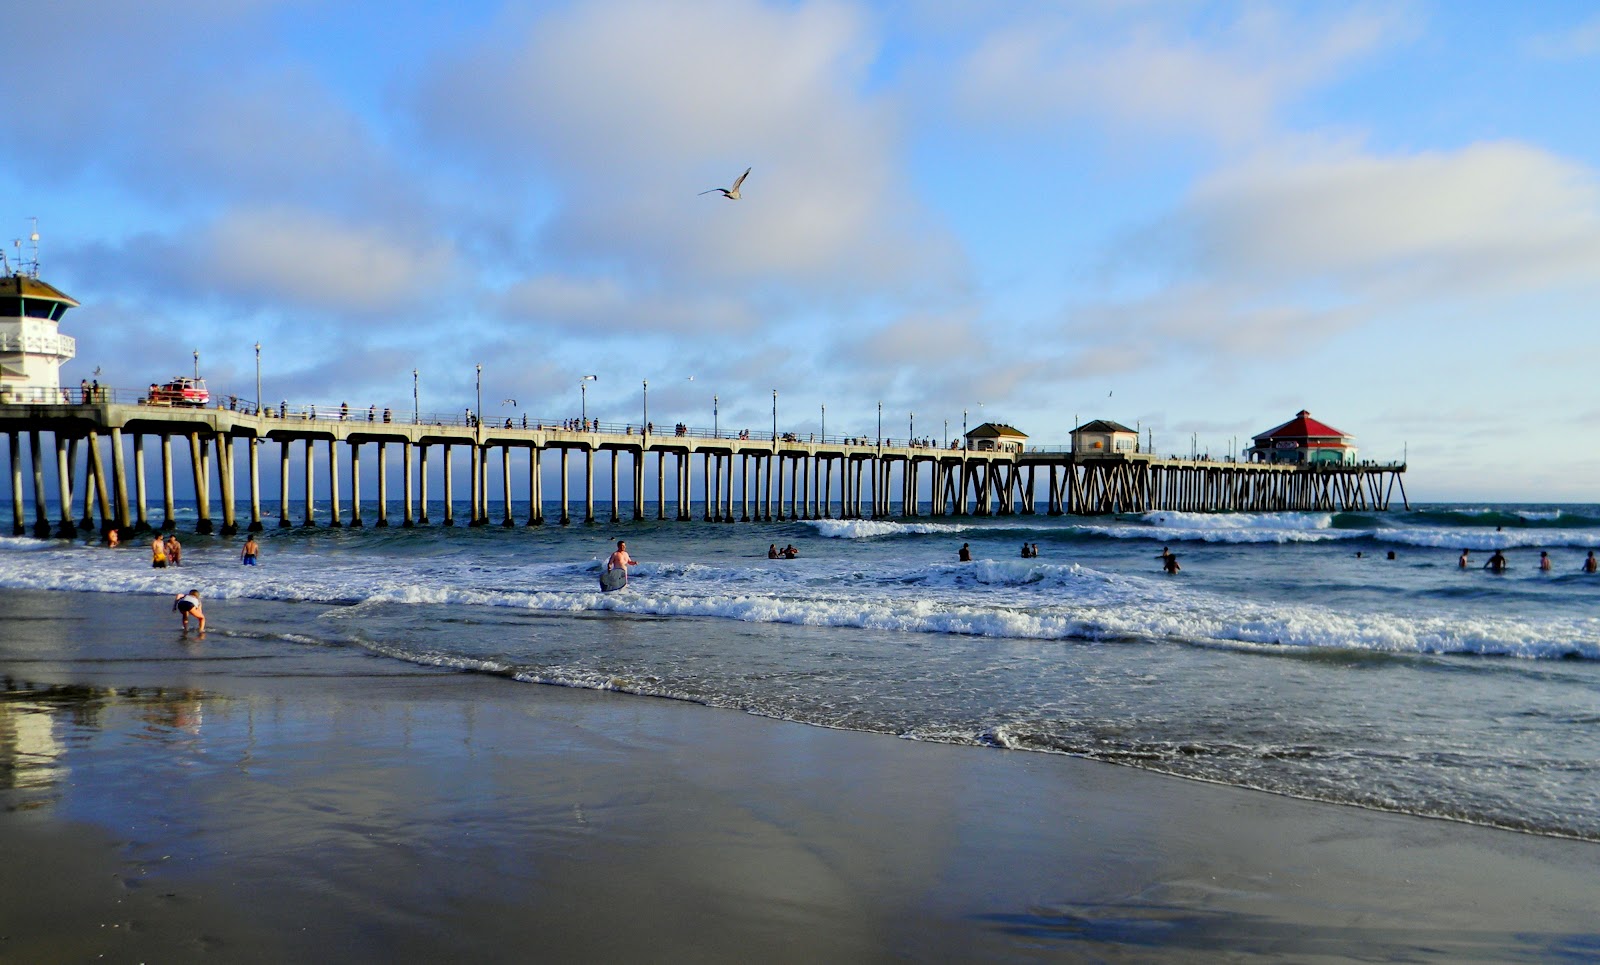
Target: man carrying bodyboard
<point>615,576</point>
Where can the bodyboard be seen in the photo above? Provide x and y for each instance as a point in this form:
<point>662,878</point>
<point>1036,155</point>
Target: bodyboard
<point>613,580</point>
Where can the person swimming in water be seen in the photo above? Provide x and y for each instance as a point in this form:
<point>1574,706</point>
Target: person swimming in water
<point>1590,564</point>
<point>1464,560</point>
<point>965,555</point>
<point>772,552</point>
<point>1169,563</point>
<point>158,554</point>
<point>1544,560</point>
<point>247,556</point>
<point>1497,563</point>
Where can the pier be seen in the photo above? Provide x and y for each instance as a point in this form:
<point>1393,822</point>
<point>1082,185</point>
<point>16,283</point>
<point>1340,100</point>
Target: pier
<point>97,451</point>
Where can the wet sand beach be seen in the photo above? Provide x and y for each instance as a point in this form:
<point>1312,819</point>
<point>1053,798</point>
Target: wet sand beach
<point>250,798</point>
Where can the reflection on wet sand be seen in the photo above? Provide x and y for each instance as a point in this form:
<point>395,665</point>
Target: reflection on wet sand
<point>41,723</point>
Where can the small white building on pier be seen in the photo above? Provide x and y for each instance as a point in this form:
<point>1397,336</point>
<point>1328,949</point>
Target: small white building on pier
<point>32,349</point>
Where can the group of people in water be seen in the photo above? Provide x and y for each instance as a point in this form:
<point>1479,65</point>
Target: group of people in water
<point>787,553</point>
<point>1498,563</point>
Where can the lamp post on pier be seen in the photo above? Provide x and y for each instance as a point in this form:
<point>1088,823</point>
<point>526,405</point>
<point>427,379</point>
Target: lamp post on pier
<point>880,424</point>
<point>774,418</point>
<point>477,418</point>
<point>963,429</point>
<point>416,407</point>
<point>911,429</point>
<point>583,398</point>
<point>258,378</point>
<point>824,423</point>
<point>716,424</point>
<point>197,365</point>
<point>645,429</point>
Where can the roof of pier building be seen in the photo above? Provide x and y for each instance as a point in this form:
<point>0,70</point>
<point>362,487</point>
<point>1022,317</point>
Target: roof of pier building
<point>996,435</point>
<point>1104,425</point>
<point>1307,431</point>
<point>26,286</point>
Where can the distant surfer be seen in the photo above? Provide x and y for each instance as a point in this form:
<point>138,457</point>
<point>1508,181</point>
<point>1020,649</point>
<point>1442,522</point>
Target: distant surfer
<point>1497,563</point>
<point>965,555</point>
<point>188,604</point>
<point>1590,564</point>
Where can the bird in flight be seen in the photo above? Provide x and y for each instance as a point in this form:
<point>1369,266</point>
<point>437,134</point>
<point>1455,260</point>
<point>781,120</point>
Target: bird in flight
<point>732,194</point>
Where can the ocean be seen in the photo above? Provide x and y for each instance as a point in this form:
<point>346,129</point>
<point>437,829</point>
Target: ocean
<point>1289,655</point>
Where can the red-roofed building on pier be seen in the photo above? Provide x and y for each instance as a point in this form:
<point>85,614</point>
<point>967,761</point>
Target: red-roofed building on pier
<point>1304,440</point>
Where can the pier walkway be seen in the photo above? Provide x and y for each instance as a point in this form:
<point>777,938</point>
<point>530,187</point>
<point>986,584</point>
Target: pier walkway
<point>744,476</point>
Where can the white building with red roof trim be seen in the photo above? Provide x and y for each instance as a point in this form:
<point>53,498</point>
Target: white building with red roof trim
<point>1304,440</point>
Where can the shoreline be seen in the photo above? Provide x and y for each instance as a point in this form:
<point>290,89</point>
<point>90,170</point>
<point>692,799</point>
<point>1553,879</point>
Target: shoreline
<point>259,799</point>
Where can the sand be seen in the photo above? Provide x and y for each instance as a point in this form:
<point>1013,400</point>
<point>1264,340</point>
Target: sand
<point>254,799</point>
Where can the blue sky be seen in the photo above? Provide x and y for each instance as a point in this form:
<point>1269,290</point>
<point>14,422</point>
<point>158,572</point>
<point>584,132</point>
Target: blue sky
<point>1194,217</point>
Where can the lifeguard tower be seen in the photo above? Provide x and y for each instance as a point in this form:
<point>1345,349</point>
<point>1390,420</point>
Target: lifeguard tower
<point>31,348</point>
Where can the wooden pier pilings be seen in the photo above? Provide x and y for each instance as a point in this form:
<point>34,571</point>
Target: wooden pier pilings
<point>740,479</point>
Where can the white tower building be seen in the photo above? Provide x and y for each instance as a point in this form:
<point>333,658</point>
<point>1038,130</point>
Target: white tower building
<point>31,348</point>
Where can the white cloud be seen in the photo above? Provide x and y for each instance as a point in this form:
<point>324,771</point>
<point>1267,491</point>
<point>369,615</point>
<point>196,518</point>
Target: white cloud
<point>1281,249</point>
<point>1148,69</point>
<point>1575,43</point>
<point>630,108</point>
<point>305,257</point>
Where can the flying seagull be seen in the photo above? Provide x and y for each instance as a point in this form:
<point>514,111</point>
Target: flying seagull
<point>733,193</point>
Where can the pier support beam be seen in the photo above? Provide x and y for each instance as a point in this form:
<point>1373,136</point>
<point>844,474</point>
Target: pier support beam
<point>255,484</point>
<point>383,485</point>
<point>410,519</point>
<point>566,514</point>
<point>311,510</point>
<point>505,474</point>
<point>230,521</point>
<point>202,483</point>
<point>588,485</point>
<point>535,487</point>
<point>119,479</point>
<point>333,485</point>
<point>14,446</point>
<point>283,484</point>
<point>422,486</point>
<point>64,484</point>
<point>355,486</point>
<point>41,508</point>
<point>449,489</point>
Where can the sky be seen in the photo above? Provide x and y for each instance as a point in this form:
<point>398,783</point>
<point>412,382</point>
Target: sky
<point>1192,218</point>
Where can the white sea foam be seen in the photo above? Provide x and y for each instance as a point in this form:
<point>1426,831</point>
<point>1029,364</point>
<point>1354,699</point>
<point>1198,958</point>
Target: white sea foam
<point>1232,522</point>
<point>872,528</point>
<point>1006,598</point>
